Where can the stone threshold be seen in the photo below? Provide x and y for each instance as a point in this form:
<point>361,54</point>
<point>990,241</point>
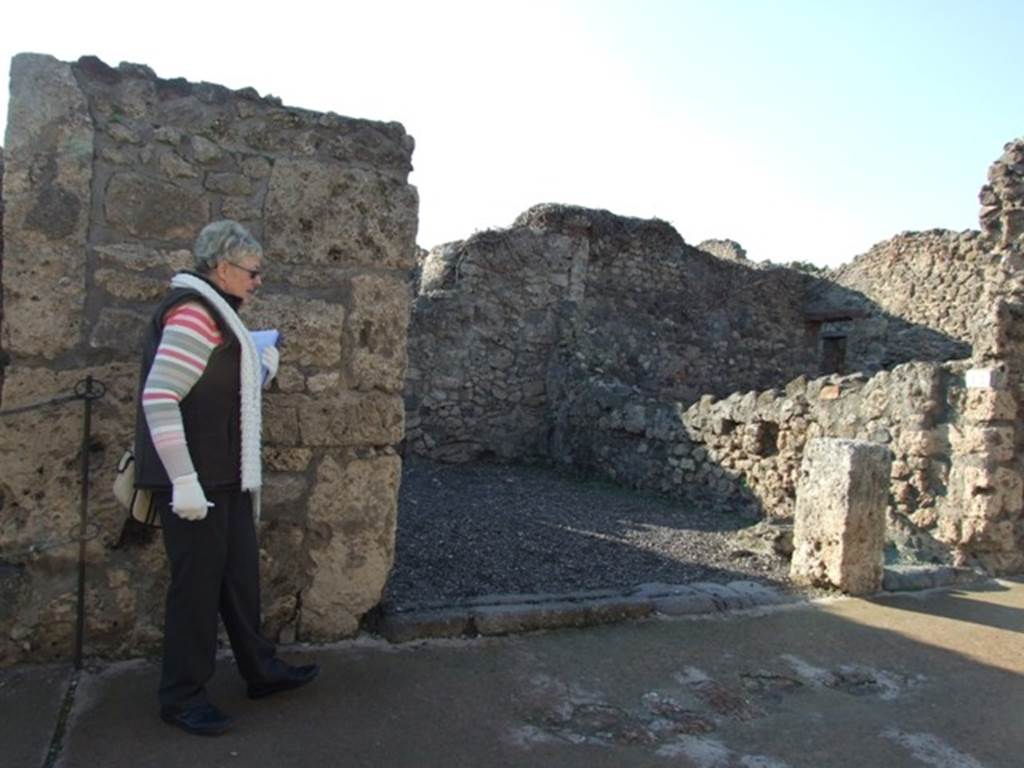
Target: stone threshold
<point>505,614</point>
<point>517,613</point>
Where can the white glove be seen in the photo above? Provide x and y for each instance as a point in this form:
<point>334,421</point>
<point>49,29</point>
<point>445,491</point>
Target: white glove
<point>270,359</point>
<point>187,499</point>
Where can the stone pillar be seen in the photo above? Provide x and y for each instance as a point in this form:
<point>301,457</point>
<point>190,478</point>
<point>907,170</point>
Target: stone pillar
<point>839,530</point>
<point>986,486</point>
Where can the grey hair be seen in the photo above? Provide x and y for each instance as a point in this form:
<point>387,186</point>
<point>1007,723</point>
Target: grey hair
<point>220,241</point>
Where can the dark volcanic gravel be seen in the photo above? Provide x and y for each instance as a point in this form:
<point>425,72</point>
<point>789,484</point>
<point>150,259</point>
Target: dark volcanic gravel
<point>477,529</point>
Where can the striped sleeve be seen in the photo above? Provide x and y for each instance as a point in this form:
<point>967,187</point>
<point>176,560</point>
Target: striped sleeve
<point>189,338</point>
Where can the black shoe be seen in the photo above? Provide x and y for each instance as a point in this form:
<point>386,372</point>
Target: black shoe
<point>200,719</point>
<point>294,677</point>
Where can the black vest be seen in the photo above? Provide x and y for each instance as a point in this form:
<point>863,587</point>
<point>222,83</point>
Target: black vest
<point>211,412</point>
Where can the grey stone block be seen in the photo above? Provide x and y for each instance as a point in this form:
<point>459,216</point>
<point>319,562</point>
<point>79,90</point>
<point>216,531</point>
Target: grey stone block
<point>417,625</point>
<point>839,528</point>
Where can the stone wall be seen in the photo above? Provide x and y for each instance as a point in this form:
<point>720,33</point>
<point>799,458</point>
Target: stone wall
<point>488,320</point>
<point>504,317</point>
<point>1002,198</point>
<point>931,281</point>
<point>744,451</point>
<point>110,173</point>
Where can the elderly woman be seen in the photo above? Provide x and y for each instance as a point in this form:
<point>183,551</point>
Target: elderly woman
<point>197,447</point>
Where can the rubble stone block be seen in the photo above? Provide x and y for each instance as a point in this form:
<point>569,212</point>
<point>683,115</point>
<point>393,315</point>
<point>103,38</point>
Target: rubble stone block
<point>311,329</point>
<point>839,527</point>
<point>154,209</point>
<point>983,405</point>
<point>992,491</point>
<point>352,511</point>
<point>377,326</point>
<point>352,419</point>
<point>316,214</point>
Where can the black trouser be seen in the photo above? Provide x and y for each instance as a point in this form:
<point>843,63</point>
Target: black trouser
<point>214,569</point>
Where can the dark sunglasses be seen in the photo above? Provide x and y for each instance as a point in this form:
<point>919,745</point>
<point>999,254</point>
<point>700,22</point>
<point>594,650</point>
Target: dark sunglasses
<point>253,273</point>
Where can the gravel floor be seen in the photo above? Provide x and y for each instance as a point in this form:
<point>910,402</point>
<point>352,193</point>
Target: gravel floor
<point>477,529</point>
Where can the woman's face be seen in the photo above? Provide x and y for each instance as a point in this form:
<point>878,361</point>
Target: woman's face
<point>239,276</point>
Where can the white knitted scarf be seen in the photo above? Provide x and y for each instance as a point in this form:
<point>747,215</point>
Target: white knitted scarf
<point>250,386</point>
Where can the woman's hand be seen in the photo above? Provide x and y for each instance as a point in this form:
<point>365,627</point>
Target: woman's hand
<point>270,358</point>
<point>187,499</point>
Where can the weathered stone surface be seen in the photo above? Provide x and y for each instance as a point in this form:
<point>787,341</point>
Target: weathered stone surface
<point>41,467</point>
<point>119,330</point>
<point>229,183</point>
<point>283,566</point>
<point>311,330</point>
<point>136,257</point>
<point>152,209</point>
<point>122,285</point>
<point>281,420</point>
<point>983,405</point>
<point>241,210</point>
<point>839,529</point>
<point>352,513</point>
<point>205,151</point>
<point>378,325</point>
<point>352,419</point>
<point>316,213</point>
<point>47,188</point>
<point>256,167</point>
<point>283,459</point>
<point>992,492</point>
<point>176,167</point>
<point>283,495</point>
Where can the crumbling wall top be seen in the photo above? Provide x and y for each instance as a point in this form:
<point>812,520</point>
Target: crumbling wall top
<point>1002,198</point>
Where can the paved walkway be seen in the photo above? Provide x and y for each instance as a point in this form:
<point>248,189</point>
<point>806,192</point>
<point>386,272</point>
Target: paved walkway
<point>932,678</point>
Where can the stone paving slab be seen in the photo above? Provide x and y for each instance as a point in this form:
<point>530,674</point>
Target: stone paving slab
<point>30,703</point>
<point>933,678</point>
<point>909,578</point>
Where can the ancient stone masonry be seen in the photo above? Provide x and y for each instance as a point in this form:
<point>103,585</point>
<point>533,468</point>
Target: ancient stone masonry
<point>1002,198</point>
<point>936,280</point>
<point>700,374</point>
<point>502,318</point>
<point>110,173</point>
<point>488,321</point>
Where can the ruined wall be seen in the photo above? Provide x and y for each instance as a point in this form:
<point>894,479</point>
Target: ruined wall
<point>668,319</point>
<point>696,373</point>
<point>988,506</point>
<point>919,282</point>
<point>1002,198</point>
<point>948,500</point>
<point>488,320</point>
<point>110,173</point>
<point>957,481</point>
<point>503,318</point>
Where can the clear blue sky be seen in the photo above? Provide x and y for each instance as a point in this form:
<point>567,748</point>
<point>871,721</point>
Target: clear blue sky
<point>804,130</point>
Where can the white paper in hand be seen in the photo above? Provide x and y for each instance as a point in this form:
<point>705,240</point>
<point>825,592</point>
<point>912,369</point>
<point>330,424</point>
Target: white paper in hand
<point>262,340</point>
